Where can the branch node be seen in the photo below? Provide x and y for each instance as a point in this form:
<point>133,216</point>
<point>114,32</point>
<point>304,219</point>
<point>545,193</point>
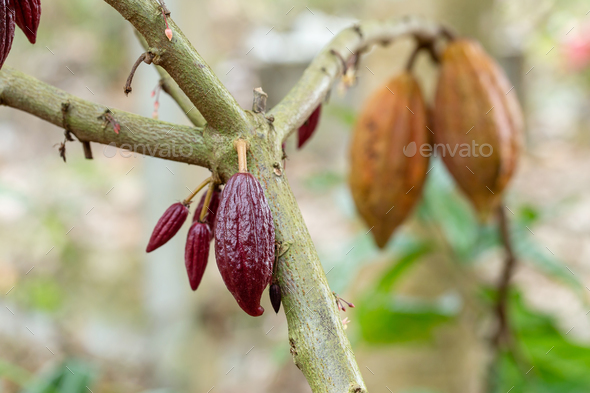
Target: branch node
<point>259,103</point>
<point>65,107</point>
<point>277,169</point>
<point>357,29</point>
<point>165,9</point>
<point>109,118</point>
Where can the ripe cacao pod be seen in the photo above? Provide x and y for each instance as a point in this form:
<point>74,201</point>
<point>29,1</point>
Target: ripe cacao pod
<point>196,252</point>
<point>28,14</point>
<point>308,128</point>
<point>6,29</point>
<point>474,105</point>
<point>168,225</point>
<point>387,171</point>
<point>245,241</point>
<point>211,214</point>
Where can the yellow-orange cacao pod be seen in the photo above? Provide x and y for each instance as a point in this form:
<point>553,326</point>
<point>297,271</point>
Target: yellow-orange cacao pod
<point>387,167</point>
<point>478,123</point>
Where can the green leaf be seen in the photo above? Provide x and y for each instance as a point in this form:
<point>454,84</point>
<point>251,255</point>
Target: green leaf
<point>72,376</point>
<point>443,206</point>
<point>528,251</point>
<point>46,383</point>
<point>385,318</point>
<point>409,253</point>
<point>558,365</point>
<point>77,375</point>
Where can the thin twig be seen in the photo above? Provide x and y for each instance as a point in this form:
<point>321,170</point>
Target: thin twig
<point>87,150</point>
<point>147,58</point>
<point>311,89</point>
<point>170,87</point>
<point>502,333</point>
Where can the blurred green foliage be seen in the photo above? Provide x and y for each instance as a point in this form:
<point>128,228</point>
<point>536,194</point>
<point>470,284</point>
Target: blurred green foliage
<point>70,376</point>
<point>546,361</point>
<point>444,223</point>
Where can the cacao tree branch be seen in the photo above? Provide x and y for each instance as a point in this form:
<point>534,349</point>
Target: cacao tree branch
<point>319,345</point>
<point>170,87</point>
<point>182,62</point>
<point>317,79</point>
<point>91,122</point>
<point>318,342</point>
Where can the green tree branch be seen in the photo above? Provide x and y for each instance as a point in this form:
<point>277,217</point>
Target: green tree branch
<point>170,87</point>
<point>182,62</point>
<point>87,121</point>
<point>319,346</point>
<point>318,78</point>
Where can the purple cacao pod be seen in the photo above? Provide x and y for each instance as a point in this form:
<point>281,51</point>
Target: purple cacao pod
<point>7,17</point>
<point>196,252</point>
<point>28,14</point>
<point>308,128</point>
<point>245,241</point>
<point>212,210</point>
<point>168,225</point>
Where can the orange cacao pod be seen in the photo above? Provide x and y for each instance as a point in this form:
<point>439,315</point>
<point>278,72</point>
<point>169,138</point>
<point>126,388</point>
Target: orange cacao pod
<point>474,106</point>
<point>387,170</point>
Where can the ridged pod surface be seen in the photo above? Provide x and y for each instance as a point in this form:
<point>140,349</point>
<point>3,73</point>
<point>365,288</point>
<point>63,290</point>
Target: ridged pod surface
<point>196,252</point>
<point>167,226</point>
<point>245,241</point>
<point>387,169</point>
<point>6,29</point>
<point>475,105</point>
<point>28,15</point>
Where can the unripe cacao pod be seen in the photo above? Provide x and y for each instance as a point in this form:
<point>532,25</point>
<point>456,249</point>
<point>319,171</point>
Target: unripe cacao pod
<point>387,171</point>
<point>211,210</point>
<point>168,225</point>
<point>6,29</point>
<point>474,105</point>
<point>308,128</point>
<point>245,241</point>
<point>196,252</point>
<point>274,291</point>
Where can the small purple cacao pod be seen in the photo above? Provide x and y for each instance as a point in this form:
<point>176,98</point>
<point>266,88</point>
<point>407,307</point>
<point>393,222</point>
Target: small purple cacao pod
<point>211,211</point>
<point>245,241</point>
<point>275,296</point>
<point>28,14</point>
<point>167,225</point>
<point>196,252</point>
<point>308,128</point>
<point>6,29</point>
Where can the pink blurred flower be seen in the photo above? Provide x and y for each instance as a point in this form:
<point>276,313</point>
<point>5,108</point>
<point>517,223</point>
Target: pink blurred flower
<point>345,323</point>
<point>577,49</point>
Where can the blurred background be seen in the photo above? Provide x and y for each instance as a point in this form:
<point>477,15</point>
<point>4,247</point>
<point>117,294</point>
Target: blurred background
<point>83,308</point>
